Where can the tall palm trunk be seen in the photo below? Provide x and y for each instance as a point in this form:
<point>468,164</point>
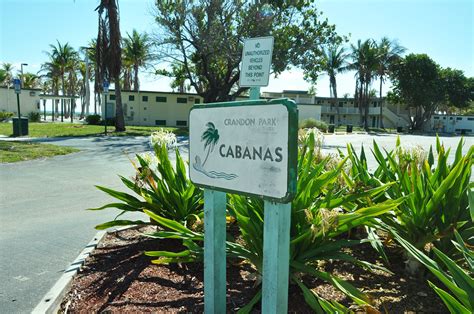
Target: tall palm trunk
<point>366,107</point>
<point>136,85</point>
<point>334,93</point>
<point>381,105</point>
<point>119,118</point>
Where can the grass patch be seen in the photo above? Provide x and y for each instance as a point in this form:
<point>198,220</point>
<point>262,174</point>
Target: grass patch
<point>74,129</point>
<point>21,151</point>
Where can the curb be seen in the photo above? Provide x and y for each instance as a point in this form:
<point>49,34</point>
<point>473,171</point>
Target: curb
<point>52,300</point>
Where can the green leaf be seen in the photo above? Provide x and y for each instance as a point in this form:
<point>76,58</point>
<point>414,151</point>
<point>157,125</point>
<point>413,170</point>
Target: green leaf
<point>117,223</point>
<point>451,303</point>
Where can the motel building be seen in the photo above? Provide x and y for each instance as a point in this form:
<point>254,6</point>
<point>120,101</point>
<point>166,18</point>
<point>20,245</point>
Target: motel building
<point>29,100</point>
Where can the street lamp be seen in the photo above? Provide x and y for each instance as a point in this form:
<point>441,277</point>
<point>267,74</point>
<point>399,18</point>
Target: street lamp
<point>106,91</point>
<point>23,64</point>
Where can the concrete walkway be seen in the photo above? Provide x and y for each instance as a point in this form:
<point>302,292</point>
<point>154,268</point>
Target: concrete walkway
<point>44,224</point>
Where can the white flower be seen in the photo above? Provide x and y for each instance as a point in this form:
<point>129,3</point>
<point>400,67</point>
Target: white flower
<point>163,137</point>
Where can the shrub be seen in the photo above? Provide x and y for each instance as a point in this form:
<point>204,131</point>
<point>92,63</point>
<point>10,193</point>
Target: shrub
<point>317,223</point>
<point>93,119</point>
<point>455,278</point>
<point>313,123</point>
<point>5,115</point>
<point>34,117</point>
<point>162,190</point>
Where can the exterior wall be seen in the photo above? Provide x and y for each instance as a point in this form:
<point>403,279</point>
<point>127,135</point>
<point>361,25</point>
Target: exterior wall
<point>154,108</point>
<point>451,124</point>
<point>309,111</point>
<point>29,100</point>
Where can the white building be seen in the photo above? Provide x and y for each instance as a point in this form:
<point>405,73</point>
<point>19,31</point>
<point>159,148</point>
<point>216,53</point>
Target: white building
<point>29,100</point>
<point>450,124</point>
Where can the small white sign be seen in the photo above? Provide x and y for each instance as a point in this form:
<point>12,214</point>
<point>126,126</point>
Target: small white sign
<point>256,61</point>
<point>244,148</point>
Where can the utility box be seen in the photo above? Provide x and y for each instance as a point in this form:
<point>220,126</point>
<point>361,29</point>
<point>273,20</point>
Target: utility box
<point>24,127</point>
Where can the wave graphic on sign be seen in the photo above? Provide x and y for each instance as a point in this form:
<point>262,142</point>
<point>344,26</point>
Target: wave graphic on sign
<point>212,174</point>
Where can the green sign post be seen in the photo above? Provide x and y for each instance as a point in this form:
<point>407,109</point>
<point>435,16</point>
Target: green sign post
<point>249,148</point>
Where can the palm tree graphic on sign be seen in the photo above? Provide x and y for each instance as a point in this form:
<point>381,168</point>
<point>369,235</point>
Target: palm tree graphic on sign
<point>210,137</point>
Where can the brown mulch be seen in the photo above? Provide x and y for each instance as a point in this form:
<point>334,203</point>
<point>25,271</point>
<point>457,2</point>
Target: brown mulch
<point>118,277</point>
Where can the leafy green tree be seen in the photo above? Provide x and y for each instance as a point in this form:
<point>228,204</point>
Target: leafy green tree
<point>389,52</point>
<point>458,89</point>
<point>417,83</point>
<point>203,40</point>
<point>109,54</point>
<point>210,137</point>
<point>137,51</point>
<point>334,62</point>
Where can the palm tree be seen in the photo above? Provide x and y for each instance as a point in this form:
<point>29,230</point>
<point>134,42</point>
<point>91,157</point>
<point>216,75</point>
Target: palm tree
<point>3,76</point>
<point>389,51</point>
<point>364,62</point>
<point>52,77</point>
<point>109,55</point>
<point>8,74</point>
<point>334,58</point>
<point>210,137</point>
<point>31,80</point>
<point>137,52</point>
<point>64,56</point>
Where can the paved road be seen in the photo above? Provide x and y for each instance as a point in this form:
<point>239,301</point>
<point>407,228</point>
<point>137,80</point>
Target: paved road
<point>44,226</point>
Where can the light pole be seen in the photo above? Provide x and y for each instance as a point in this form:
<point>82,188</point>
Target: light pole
<point>23,64</point>
<point>106,91</point>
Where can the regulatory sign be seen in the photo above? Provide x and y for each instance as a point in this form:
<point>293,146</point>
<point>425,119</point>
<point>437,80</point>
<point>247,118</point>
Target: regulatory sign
<point>256,61</point>
<point>17,85</point>
<point>245,147</point>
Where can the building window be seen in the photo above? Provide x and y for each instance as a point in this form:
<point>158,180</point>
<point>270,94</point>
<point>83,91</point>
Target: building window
<point>131,97</point>
<point>160,99</point>
<point>111,97</point>
<point>145,98</point>
<point>444,118</point>
<point>160,122</point>
<point>197,101</point>
<point>436,118</point>
<point>341,104</point>
<point>181,123</point>
<point>450,118</point>
<point>131,108</point>
<point>144,108</point>
<point>459,118</point>
<point>182,100</point>
<point>144,119</point>
<point>470,119</point>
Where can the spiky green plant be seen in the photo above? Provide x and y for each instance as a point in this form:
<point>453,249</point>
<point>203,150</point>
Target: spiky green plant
<point>318,219</point>
<point>164,190</point>
<point>459,282</point>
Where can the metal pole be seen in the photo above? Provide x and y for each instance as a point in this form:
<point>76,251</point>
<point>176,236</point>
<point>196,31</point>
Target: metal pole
<point>19,114</point>
<point>62,110</point>
<point>214,252</point>
<point>276,250</point>
<point>44,109</point>
<point>105,114</point>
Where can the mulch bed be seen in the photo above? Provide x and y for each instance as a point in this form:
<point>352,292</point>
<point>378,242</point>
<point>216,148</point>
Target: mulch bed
<point>118,278</point>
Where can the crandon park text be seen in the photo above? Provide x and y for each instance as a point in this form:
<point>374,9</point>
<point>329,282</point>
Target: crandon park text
<point>251,122</point>
<point>251,153</point>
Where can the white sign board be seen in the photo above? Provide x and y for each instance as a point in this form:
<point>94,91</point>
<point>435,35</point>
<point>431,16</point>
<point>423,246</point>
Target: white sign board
<point>247,147</point>
<point>256,61</point>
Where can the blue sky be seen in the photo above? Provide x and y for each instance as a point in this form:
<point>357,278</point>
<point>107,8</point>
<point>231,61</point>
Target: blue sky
<point>444,29</point>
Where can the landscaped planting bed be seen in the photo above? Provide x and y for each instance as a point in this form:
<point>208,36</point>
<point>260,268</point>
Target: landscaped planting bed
<point>119,278</point>
<point>396,239</point>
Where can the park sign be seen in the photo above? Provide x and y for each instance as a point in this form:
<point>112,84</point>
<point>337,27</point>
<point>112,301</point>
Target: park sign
<point>17,85</point>
<point>256,61</point>
<point>245,147</point>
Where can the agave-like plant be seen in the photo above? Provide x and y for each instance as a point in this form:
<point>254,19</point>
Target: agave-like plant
<point>164,190</point>
<point>436,195</point>
<point>318,219</point>
<point>459,296</point>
